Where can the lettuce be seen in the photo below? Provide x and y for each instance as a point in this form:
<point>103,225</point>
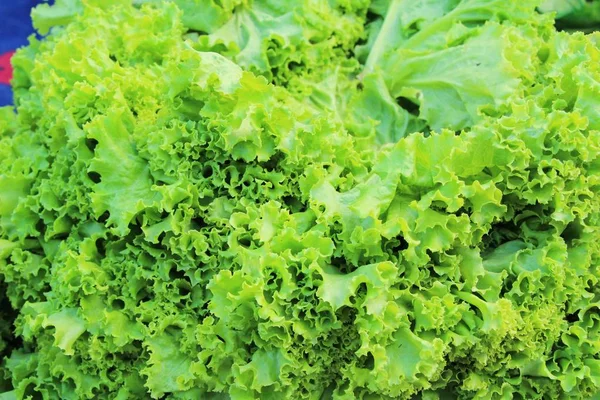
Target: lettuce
<point>574,14</point>
<point>344,199</point>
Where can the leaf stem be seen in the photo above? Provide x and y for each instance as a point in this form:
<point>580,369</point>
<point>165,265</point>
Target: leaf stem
<point>383,37</point>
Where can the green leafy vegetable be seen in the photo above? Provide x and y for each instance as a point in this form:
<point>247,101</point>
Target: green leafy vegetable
<point>263,199</point>
<point>574,14</point>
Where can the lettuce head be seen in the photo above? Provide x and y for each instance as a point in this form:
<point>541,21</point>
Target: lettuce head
<point>262,199</point>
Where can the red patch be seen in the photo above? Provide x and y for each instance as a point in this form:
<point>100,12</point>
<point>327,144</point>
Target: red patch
<point>6,70</point>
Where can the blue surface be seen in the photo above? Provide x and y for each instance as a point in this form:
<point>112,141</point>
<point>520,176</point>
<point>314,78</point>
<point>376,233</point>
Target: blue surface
<point>15,27</point>
<point>5,95</point>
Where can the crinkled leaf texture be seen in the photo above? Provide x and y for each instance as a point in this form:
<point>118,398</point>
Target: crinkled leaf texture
<point>393,199</point>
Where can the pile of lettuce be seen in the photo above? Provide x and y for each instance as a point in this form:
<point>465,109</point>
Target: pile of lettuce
<point>267,199</point>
